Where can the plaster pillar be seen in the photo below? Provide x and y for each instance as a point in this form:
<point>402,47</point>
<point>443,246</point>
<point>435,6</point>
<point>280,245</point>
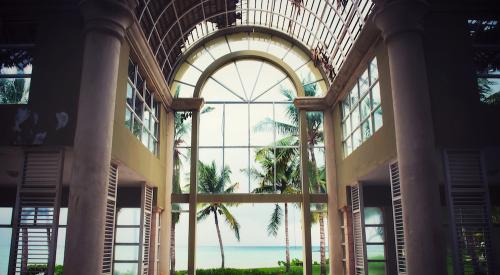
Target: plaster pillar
<point>401,24</point>
<point>334,217</point>
<point>105,25</point>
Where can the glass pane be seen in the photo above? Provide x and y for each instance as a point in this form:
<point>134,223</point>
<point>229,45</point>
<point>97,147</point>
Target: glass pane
<point>139,103</point>
<point>355,117</point>
<point>183,127</point>
<point>127,235</point>
<point>5,236</point>
<point>229,77</point>
<point>315,128</point>
<point>366,129</point>
<point>5,215</point>
<point>376,268</point>
<point>128,118</point>
<point>139,81</point>
<point>210,163</point>
<point>354,95</point>
<point>182,90</point>
<point>283,91</point>
<point>63,216</point>
<point>125,269</point>
<point>365,107</point>
<point>217,47</point>
<point>182,166</point>
<point>489,90</point>
<point>373,71</point>
<point>268,78</point>
<point>296,58</point>
<point>375,251</point>
<point>356,139</point>
<point>145,137</point>
<point>238,42</point>
<point>211,126</point>
<point>344,130</point>
<point>14,90</point>
<point>130,93</point>
<point>373,215</point>
<point>188,74</point>
<point>215,91</point>
<point>128,216</point>
<point>374,234</point>
<point>131,70</point>
<point>249,70</point>
<point>287,117</point>
<point>375,96</point>
<point>347,123</point>
<point>259,42</point>
<point>236,125</point>
<point>278,47</point>
<point>262,170</point>
<point>319,238</point>
<point>201,59</point>
<point>363,82</point>
<point>346,106</point>
<point>377,117</point>
<point>180,219</point>
<point>61,243</point>
<point>258,246</point>
<point>237,162</point>
<point>261,124</point>
<point>126,252</point>
<point>317,172</point>
<point>147,118</point>
<point>137,127</point>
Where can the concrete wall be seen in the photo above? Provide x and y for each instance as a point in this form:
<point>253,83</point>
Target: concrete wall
<point>127,149</point>
<point>54,89</point>
<point>378,149</point>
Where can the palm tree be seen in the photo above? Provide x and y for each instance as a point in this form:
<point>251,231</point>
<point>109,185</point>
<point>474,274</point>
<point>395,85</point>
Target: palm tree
<point>314,136</point>
<point>287,182</point>
<point>211,182</point>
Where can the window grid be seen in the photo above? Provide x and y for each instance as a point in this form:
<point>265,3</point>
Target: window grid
<point>380,225</point>
<point>15,74</point>
<point>358,126</point>
<point>142,111</point>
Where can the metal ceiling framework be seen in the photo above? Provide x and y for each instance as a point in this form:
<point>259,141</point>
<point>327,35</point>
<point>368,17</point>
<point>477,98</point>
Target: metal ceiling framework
<point>328,28</point>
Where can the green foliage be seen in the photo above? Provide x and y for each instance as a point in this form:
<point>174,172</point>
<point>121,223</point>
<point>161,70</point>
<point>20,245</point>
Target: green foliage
<point>41,268</point>
<point>12,91</point>
<point>294,270</point>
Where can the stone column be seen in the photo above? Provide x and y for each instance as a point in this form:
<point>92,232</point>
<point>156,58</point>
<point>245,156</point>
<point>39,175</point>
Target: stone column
<point>401,24</point>
<point>334,217</point>
<point>105,25</point>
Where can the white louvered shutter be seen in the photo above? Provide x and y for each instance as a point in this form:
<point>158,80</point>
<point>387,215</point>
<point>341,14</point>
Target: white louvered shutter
<point>109,231</point>
<point>36,214</point>
<point>397,212</point>
<point>469,208</point>
<point>360,264</point>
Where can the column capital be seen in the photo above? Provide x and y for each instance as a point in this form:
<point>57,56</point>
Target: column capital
<point>109,16</point>
<point>395,17</point>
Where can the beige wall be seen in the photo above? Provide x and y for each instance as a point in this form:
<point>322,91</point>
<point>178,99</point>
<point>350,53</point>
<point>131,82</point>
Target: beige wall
<point>378,149</point>
<point>127,150</point>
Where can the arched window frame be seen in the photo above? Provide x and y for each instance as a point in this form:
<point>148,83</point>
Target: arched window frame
<point>305,198</point>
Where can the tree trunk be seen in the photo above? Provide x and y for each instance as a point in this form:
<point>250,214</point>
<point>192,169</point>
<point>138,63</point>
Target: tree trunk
<point>172,249</point>
<point>287,241</point>
<point>320,216</point>
<point>322,244</point>
<point>220,238</point>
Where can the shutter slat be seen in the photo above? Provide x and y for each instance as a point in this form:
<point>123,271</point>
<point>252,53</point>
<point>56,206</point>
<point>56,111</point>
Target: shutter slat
<point>397,210</point>
<point>469,210</point>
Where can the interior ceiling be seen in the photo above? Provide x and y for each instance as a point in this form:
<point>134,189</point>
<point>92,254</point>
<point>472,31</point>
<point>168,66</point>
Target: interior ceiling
<point>327,27</point>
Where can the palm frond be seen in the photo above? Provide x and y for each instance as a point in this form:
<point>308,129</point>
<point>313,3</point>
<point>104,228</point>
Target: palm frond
<point>231,221</point>
<point>275,221</point>
<point>204,213</point>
